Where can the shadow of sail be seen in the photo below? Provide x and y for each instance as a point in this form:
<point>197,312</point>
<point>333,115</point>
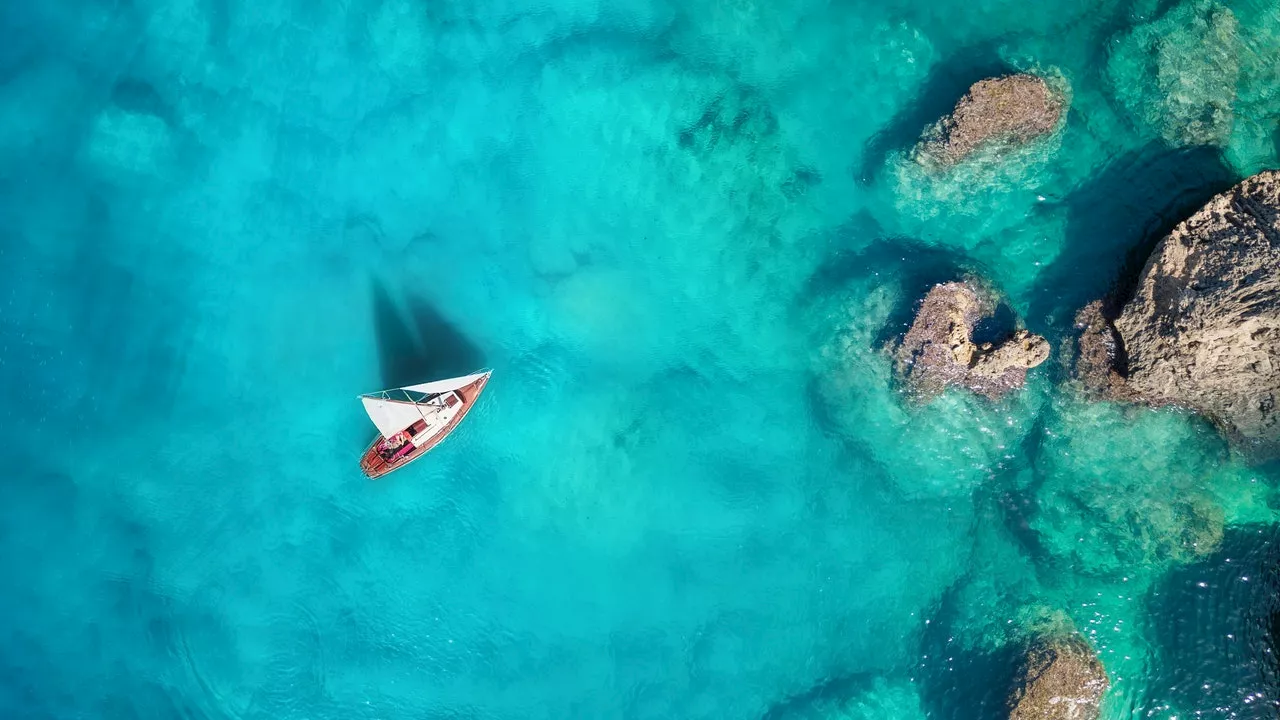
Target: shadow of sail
<point>416,343</point>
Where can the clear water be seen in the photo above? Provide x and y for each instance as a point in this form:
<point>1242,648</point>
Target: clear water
<point>679,232</point>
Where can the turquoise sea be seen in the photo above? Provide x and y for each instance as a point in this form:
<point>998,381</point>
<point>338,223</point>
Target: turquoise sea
<point>680,233</point>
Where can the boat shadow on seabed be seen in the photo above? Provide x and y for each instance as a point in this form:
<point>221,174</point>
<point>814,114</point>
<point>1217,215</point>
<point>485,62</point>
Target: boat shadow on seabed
<point>416,342</point>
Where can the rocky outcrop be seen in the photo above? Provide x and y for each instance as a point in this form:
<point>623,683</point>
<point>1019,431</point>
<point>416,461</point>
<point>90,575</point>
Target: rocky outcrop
<point>1202,329</point>
<point>1059,679</point>
<point>1100,353</point>
<point>939,351</point>
<point>1009,110</point>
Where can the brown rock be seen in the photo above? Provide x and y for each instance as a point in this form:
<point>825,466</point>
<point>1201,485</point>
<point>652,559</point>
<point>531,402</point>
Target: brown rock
<point>1203,328</point>
<point>938,350</point>
<point>1099,357</point>
<point>1060,679</point>
<point>1012,110</point>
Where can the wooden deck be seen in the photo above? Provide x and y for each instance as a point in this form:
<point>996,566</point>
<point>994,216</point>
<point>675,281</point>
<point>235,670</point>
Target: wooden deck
<point>375,467</point>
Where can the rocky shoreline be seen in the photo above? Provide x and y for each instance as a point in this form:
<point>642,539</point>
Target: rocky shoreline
<point>1199,330</point>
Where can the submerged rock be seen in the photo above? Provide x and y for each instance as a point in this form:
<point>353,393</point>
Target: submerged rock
<point>1059,679</point>
<point>125,145</point>
<point>1009,110</point>
<point>1179,73</point>
<point>939,351</point>
<point>1203,328</point>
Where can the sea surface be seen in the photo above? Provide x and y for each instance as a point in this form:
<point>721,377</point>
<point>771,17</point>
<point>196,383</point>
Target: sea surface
<point>681,233</point>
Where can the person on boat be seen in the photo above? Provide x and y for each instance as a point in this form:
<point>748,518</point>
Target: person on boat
<point>393,447</point>
<point>405,449</point>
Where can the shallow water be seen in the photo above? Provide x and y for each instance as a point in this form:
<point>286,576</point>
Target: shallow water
<point>681,234</point>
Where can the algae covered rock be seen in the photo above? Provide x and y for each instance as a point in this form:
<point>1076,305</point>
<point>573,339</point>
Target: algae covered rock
<point>939,350</point>
<point>1202,330</point>
<point>1122,491</point>
<point>1009,110</point>
<point>1059,679</point>
<point>1178,73</point>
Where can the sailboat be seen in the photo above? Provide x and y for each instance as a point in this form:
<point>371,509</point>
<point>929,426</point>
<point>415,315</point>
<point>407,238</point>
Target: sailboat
<point>414,419</point>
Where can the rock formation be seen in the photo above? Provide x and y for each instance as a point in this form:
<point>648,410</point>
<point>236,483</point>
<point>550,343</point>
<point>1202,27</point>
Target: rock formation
<point>1059,679</point>
<point>1100,353</point>
<point>939,350</point>
<point>1203,327</point>
<point>1013,109</point>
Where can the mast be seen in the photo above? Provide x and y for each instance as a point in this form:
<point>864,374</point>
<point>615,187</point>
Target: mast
<point>419,408</point>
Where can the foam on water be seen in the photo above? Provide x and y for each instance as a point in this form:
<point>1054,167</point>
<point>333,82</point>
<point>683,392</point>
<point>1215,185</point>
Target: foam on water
<point>682,234</point>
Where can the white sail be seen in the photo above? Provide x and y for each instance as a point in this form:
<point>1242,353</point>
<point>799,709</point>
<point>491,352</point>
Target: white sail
<point>391,416</point>
<point>440,386</point>
<point>393,411</point>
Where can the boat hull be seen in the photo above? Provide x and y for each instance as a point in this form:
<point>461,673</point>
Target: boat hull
<point>374,466</point>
